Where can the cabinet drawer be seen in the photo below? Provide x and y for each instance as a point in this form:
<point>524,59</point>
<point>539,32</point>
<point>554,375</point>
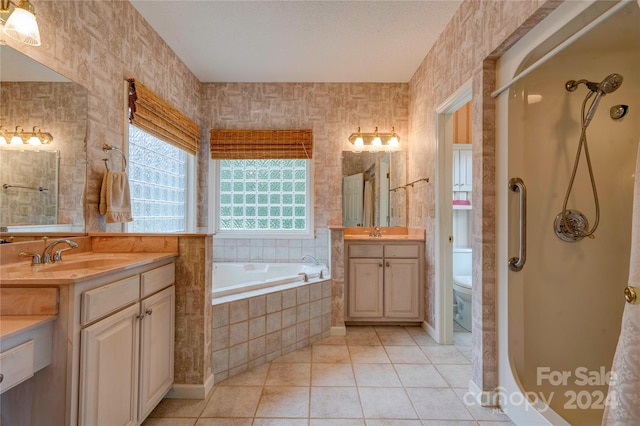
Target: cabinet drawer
<point>17,365</point>
<point>104,300</point>
<point>365,250</point>
<point>404,251</point>
<point>157,279</point>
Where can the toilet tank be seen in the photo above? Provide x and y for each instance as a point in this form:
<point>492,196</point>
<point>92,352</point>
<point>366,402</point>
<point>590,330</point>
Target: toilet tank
<point>462,261</point>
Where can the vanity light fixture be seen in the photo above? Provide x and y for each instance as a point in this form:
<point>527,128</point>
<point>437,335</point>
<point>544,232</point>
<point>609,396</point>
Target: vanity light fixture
<point>20,137</point>
<point>19,21</point>
<point>375,141</point>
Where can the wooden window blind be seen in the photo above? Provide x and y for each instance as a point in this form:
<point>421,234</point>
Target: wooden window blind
<point>261,144</point>
<point>154,115</point>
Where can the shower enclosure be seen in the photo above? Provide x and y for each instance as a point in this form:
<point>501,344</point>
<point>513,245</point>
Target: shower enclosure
<point>560,314</point>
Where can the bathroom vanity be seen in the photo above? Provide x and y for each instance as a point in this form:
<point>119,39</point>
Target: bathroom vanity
<point>107,339</point>
<point>385,276</point>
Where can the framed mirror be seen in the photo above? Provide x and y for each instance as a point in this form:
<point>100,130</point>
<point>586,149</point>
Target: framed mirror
<point>372,189</point>
<point>42,187</point>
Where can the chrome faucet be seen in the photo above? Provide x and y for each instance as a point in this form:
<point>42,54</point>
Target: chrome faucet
<point>311,258</point>
<point>57,256</point>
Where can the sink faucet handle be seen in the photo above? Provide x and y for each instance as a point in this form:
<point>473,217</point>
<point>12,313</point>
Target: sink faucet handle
<point>35,257</point>
<point>57,256</point>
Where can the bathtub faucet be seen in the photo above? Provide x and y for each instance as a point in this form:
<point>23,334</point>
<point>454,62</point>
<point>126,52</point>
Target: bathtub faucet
<point>311,258</point>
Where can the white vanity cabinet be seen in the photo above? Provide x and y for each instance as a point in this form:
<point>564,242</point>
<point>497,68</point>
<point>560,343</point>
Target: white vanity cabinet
<point>126,347</point>
<point>384,282</point>
<point>462,168</point>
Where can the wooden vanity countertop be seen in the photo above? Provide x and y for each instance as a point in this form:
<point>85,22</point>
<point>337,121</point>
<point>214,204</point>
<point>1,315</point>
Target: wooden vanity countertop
<point>76,268</point>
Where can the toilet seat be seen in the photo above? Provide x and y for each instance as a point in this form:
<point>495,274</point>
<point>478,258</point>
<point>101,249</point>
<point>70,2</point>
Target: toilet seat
<point>462,281</point>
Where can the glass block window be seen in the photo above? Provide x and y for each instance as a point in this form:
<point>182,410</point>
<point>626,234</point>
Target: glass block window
<point>158,180</point>
<point>263,195</point>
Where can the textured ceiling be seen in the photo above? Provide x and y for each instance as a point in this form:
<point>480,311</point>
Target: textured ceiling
<point>299,41</point>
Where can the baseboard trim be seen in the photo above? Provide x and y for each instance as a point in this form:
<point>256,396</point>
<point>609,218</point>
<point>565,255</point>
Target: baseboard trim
<point>339,331</point>
<point>185,391</point>
<point>430,331</point>
<point>484,398</point>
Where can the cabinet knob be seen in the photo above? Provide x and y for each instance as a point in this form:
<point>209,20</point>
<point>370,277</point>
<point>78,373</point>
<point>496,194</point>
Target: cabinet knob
<point>1,377</point>
<point>387,265</point>
<point>141,316</point>
<point>380,265</point>
<point>149,311</point>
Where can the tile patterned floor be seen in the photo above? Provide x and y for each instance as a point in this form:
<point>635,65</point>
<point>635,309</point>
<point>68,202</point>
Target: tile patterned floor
<point>373,376</point>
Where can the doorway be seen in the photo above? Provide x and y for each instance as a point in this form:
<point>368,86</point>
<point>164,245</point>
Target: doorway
<point>442,331</point>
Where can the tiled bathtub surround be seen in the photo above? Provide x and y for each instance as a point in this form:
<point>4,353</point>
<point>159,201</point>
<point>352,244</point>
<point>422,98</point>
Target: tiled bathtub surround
<point>254,330</point>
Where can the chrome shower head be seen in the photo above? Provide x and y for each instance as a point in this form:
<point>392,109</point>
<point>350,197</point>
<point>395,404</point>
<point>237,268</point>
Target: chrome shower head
<point>608,85</point>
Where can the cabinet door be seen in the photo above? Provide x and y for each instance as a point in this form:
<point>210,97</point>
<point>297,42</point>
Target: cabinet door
<point>401,289</point>
<point>156,349</point>
<point>462,172</point>
<point>465,170</point>
<point>455,179</point>
<point>108,370</point>
<point>365,288</point>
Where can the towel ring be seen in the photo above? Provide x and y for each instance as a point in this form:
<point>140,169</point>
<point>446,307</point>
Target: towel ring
<point>106,148</point>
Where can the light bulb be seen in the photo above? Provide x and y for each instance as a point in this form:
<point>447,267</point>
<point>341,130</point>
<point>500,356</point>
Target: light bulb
<point>393,142</point>
<point>358,144</point>
<point>376,143</point>
<point>34,140</point>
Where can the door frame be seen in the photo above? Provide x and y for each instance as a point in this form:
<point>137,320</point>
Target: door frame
<point>443,327</point>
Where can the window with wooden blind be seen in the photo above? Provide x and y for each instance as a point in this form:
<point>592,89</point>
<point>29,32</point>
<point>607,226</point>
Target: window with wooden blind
<point>250,144</point>
<point>151,113</point>
<point>265,183</point>
<point>162,144</point>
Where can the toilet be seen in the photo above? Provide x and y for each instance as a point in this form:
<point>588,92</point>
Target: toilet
<point>462,286</point>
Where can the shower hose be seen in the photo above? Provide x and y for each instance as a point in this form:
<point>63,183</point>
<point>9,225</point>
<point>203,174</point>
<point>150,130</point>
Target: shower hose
<point>581,144</point>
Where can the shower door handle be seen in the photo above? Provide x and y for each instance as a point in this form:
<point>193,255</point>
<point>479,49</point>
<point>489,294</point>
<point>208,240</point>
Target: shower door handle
<point>516,263</point>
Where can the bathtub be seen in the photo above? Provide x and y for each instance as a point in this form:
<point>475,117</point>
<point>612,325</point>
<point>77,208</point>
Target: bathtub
<point>240,278</point>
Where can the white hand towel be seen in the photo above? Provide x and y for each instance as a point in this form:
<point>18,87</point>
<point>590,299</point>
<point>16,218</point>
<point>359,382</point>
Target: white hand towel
<point>115,197</point>
<point>623,406</point>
